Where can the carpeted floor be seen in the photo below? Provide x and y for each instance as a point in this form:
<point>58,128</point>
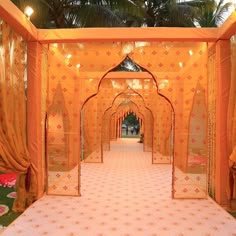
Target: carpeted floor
<point>124,196</point>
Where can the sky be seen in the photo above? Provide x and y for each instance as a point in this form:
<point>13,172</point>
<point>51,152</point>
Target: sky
<point>230,10</point>
<point>233,7</point>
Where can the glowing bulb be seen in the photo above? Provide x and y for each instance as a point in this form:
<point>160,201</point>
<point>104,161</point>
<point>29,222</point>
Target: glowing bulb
<point>190,52</point>
<point>78,66</point>
<point>68,56</point>
<point>28,11</point>
<point>128,48</point>
<point>180,64</point>
<point>164,81</point>
<point>55,45</point>
<point>161,86</point>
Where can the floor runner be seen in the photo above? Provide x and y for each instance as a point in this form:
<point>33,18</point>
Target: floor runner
<point>124,196</point>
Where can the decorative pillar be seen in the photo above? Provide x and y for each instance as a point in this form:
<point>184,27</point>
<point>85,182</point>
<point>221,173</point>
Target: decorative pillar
<point>35,118</point>
<point>223,71</point>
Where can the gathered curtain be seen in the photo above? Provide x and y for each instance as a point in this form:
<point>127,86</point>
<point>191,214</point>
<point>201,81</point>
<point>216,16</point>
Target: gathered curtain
<point>14,156</point>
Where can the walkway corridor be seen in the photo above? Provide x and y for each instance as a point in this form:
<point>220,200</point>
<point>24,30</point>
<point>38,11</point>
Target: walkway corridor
<point>125,196</point>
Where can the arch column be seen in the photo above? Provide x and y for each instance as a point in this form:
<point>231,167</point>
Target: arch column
<point>223,71</point>
<point>35,115</point>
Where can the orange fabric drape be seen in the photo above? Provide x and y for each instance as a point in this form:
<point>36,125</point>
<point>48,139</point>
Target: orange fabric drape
<point>231,125</point>
<point>222,99</point>
<point>232,100</point>
<point>79,68</point>
<point>14,155</point>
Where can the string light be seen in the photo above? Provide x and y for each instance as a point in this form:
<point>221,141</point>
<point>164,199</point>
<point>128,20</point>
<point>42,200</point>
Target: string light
<point>55,45</point>
<point>180,64</point>
<point>28,11</point>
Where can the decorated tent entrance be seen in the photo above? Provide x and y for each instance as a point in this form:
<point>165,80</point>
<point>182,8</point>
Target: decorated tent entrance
<point>84,94</point>
<point>183,97</point>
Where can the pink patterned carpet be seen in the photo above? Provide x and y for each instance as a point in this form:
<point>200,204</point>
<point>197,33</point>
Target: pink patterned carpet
<point>125,196</point>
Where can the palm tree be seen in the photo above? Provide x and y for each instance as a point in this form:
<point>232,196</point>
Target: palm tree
<point>209,13</point>
<point>183,13</point>
<point>168,13</point>
<point>83,13</point>
<point>125,13</point>
<point>107,13</point>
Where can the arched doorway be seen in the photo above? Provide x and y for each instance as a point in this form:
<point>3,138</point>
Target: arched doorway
<point>158,57</point>
<point>117,92</point>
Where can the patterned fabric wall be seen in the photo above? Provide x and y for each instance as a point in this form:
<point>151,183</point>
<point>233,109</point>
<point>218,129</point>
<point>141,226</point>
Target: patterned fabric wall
<point>14,155</point>
<point>179,73</point>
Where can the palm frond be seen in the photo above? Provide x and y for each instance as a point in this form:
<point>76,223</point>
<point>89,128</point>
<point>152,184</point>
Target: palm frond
<point>92,16</point>
<point>209,13</point>
<point>113,13</point>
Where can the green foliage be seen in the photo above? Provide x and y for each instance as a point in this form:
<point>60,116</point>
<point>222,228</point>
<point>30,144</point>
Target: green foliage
<point>125,13</point>
<point>131,119</point>
<point>209,13</point>
<point>128,65</point>
<point>83,13</point>
<point>168,13</point>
